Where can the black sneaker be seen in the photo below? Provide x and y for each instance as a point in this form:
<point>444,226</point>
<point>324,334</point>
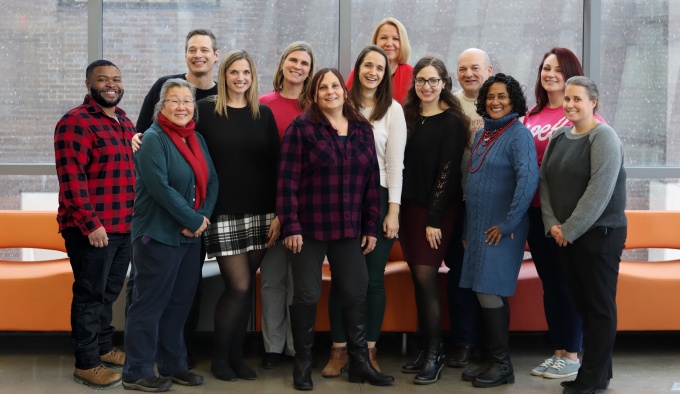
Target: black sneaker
<point>152,385</point>
<point>185,378</point>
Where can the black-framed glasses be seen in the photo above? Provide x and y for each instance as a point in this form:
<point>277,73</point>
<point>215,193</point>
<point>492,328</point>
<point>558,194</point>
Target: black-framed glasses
<point>432,81</point>
<point>176,103</point>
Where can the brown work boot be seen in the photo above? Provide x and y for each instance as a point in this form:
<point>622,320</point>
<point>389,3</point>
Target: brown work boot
<point>338,361</point>
<point>98,377</point>
<point>372,351</point>
<point>114,358</point>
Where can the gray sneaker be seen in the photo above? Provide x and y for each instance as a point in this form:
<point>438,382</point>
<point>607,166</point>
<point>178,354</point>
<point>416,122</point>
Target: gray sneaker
<point>562,368</point>
<point>540,370</point>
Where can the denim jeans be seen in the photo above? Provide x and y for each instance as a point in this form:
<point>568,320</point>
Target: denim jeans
<point>98,275</point>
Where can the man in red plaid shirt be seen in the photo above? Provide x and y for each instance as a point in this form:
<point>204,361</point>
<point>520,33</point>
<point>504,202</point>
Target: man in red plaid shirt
<point>96,195</point>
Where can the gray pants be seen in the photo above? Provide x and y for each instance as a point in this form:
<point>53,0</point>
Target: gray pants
<point>277,295</point>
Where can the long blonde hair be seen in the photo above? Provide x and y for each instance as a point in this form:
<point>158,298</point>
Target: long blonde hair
<point>222,97</point>
<point>278,76</point>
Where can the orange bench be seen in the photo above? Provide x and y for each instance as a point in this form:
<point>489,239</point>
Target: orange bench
<point>34,295</point>
<point>648,295</point>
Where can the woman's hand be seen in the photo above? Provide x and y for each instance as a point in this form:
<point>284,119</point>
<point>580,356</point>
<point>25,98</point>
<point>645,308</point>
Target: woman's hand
<point>556,233</point>
<point>434,236</point>
<point>368,243</point>
<point>274,232</point>
<point>391,225</point>
<point>294,243</point>
<point>494,236</point>
<point>136,142</point>
<point>204,225</point>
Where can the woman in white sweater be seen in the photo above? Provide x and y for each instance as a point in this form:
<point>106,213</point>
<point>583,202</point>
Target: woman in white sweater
<point>373,95</point>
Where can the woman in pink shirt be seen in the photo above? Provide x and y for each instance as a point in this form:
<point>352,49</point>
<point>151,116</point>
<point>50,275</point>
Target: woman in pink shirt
<point>390,35</point>
<point>564,323</point>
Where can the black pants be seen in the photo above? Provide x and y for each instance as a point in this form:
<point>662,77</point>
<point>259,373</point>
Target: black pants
<point>591,265</point>
<point>464,310</point>
<point>98,275</point>
<point>348,267</point>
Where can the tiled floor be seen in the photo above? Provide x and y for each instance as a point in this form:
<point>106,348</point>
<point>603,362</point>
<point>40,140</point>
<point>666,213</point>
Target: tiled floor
<point>643,363</point>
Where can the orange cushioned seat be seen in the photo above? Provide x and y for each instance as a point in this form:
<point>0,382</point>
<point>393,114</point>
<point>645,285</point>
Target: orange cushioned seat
<point>34,295</point>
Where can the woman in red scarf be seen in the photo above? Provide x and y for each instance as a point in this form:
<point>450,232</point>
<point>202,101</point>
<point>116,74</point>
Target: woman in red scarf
<point>176,191</point>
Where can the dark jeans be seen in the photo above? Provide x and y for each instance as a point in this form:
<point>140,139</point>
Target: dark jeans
<point>348,267</point>
<point>464,309</point>
<point>191,325</point>
<point>375,296</point>
<point>98,275</point>
<point>591,264</point>
<point>165,283</point>
<point>564,323</point>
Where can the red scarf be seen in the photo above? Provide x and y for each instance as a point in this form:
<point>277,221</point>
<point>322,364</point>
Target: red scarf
<point>191,151</point>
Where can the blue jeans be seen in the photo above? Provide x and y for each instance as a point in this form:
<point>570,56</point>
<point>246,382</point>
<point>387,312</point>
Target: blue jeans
<point>98,275</point>
<point>564,323</point>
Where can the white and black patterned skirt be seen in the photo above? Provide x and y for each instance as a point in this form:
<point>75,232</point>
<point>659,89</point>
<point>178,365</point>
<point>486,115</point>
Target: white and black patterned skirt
<point>237,234</point>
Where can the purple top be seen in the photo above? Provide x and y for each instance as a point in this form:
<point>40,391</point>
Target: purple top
<point>327,189</point>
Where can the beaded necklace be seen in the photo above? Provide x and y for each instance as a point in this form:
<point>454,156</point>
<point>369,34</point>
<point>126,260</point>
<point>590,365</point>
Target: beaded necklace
<point>486,141</point>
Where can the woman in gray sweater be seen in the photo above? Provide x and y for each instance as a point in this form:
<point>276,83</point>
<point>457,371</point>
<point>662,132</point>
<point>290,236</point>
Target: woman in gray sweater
<point>583,197</point>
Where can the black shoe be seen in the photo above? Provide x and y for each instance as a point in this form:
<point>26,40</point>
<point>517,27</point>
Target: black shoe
<point>579,390</point>
<point>185,378</point>
<point>242,371</point>
<point>460,357</point>
<point>271,360</point>
<point>152,385</point>
<point>415,366</point>
<point>222,370</point>
<point>572,383</point>
<point>433,364</point>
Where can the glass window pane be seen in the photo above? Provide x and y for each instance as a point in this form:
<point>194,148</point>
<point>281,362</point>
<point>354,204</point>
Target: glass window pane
<point>43,55</point>
<point>639,78</point>
<point>146,38</point>
<point>515,42</point>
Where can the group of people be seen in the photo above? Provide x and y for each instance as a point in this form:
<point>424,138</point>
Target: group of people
<point>326,169</point>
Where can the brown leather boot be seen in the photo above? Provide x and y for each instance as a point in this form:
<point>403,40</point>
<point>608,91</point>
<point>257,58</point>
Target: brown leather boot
<point>114,358</point>
<point>372,351</point>
<point>337,362</point>
<point>98,377</point>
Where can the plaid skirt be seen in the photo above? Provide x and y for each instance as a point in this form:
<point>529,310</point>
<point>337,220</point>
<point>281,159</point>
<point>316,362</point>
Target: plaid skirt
<point>236,234</point>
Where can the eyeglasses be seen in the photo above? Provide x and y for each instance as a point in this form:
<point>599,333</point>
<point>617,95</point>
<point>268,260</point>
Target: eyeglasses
<point>432,81</point>
<point>176,103</point>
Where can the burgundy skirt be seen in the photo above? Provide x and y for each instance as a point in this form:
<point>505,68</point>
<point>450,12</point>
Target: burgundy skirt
<point>414,245</point>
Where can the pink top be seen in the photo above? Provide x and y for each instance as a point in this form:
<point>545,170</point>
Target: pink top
<point>284,110</point>
<point>542,126</point>
<point>401,82</point>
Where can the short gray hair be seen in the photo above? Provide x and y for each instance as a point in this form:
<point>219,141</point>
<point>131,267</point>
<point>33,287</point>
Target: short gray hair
<point>169,84</point>
<point>589,85</point>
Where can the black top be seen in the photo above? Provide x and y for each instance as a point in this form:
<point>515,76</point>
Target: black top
<point>432,158</point>
<point>245,152</point>
<point>144,120</point>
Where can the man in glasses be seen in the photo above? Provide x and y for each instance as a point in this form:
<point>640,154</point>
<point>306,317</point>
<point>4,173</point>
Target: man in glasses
<point>474,68</point>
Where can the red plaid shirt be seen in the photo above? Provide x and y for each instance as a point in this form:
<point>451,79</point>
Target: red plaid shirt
<point>96,173</point>
<point>327,189</point>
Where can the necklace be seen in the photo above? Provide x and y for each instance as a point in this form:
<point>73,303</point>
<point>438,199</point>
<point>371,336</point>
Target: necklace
<point>424,119</point>
<point>484,144</point>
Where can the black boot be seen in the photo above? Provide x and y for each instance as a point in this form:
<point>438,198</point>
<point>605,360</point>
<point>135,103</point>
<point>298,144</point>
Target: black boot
<point>360,367</point>
<point>302,318</point>
<point>415,366</point>
<point>433,364</point>
<point>497,324</point>
<point>469,375</point>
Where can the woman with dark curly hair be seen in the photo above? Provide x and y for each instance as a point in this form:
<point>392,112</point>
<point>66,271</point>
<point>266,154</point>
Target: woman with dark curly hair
<point>502,179</point>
